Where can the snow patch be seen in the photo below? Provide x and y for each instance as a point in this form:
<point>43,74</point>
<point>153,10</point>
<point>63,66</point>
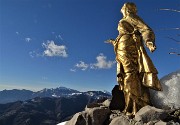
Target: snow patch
<point>76,93</point>
<point>54,95</point>
<point>62,123</point>
<point>170,96</point>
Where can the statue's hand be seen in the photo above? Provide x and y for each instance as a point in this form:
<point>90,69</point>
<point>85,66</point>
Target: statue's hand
<point>151,46</point>
<point>110,41</point>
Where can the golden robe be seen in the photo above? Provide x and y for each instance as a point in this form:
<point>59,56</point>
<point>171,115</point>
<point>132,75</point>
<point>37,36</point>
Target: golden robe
<point>135,70</point>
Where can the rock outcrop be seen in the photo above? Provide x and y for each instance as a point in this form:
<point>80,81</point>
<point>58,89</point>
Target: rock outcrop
<point>94,114</point>
<point>100,114</point>
<point>149,113</point>
<point>109,112</point>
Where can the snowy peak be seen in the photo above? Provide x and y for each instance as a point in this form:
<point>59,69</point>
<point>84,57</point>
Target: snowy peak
<point>55,92</point>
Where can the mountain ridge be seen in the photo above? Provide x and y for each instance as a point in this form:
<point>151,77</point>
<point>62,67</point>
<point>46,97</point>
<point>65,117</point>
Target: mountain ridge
<point>22,95</point>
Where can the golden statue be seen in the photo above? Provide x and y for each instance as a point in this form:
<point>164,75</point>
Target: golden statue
<point>135,70</point>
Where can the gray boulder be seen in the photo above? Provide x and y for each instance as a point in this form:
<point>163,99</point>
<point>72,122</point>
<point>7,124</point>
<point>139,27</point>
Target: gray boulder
<point>91,116</point>
<point>161,123</point>
<point>120,121</point>
<point>149,113</point>
<point>77,119</point>
<point>106,103</point>
<point>119,118</point>
<point>97,115</point>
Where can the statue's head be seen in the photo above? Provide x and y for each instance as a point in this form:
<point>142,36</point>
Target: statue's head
<point>128,8</point>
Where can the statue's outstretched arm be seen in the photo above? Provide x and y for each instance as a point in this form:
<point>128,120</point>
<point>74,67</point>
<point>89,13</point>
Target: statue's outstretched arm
<point>147,33</point>
<point>112,41</point>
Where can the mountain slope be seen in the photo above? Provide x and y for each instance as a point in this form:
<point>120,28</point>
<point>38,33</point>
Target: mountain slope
<point>42,111</point>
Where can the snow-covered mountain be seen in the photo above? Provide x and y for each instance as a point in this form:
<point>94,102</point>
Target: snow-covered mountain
<point>22,95</point>
<point>169,97</point>
<point>55,92</point>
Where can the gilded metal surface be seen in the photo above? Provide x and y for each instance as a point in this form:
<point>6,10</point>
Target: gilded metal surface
<point>135,70</point>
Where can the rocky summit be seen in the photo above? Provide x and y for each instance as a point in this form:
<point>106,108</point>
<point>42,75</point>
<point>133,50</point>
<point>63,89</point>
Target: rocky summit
<point>165,112</point>
<point>100,114</point>
<point>109,112</point>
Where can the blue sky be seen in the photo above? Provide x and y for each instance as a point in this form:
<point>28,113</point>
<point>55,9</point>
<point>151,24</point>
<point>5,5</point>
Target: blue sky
<point>51,43</point>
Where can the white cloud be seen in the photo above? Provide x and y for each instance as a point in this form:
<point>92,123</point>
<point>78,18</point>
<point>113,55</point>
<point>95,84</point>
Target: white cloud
<point>34,54</point>
<point>51,49</point>
<point>102,62</point>
<point>73,70</point>
<point>28,39</point>
<point>60,37</point>
<point>31,53</point>
<point>17,32</point>
<point>82,65</point>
